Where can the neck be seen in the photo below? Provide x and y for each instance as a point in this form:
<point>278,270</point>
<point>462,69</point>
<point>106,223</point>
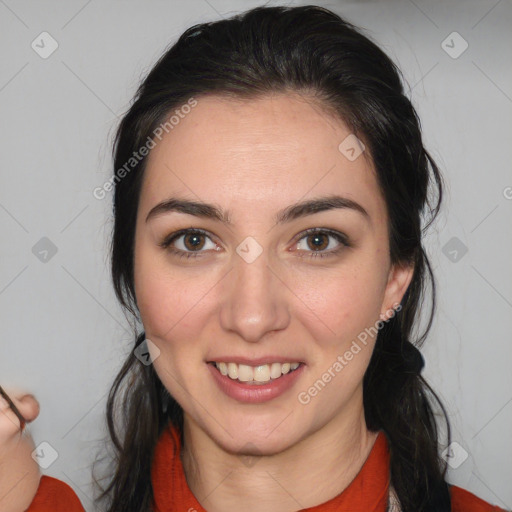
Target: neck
<point>283,482</point>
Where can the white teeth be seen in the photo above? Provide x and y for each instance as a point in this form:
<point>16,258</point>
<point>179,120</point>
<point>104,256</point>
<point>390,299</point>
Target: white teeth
<point>233,371</point>
<point>275,370</point>
<point>245,373</point>
<point>223,367</point>
<point>261,374</point>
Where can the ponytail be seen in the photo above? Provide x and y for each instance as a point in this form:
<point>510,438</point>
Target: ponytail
<point>396,400</point>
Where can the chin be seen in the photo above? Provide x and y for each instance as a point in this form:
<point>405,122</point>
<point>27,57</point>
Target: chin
<point>256,438</point>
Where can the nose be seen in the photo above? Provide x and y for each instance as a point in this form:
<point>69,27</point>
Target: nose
<point>255,299</point>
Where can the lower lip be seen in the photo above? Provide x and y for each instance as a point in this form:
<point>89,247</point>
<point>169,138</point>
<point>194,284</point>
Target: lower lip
<point>255,393</point>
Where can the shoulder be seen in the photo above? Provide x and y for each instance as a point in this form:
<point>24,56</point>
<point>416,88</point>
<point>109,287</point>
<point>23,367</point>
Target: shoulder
<point>465,501</point>
<point>54,495</point>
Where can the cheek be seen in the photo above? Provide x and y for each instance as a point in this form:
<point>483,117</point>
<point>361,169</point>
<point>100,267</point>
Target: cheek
<point>340,310</point>
<point>341,303</point>
<point>171,302</point>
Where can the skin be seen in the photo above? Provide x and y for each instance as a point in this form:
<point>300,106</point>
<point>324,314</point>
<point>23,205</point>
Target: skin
<point>254,158</point>
<point>19,473</point>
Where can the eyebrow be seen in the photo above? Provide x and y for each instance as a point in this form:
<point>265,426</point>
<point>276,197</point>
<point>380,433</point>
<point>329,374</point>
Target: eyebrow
<point>288,214</point>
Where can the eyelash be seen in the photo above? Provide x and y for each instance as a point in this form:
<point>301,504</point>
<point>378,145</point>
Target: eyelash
<point>339,237</point>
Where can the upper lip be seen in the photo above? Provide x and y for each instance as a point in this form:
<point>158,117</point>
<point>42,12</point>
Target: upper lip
<point>258,361</point>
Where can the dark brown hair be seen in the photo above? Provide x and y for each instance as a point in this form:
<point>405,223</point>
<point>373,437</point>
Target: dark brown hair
<point>313,51</point>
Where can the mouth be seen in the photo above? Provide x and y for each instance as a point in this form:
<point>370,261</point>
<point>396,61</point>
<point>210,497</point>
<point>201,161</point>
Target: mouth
<point>255,375</point>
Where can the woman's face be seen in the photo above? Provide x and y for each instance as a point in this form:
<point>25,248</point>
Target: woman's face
<point>252,287</point>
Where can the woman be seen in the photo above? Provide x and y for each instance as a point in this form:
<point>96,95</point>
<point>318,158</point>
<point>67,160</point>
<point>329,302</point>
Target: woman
<point>270,200</point>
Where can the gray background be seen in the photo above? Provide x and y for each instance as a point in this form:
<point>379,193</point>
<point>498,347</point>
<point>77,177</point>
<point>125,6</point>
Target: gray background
<point>63,337</point>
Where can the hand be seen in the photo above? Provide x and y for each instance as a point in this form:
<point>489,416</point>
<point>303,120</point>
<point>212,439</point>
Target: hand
<point>19,473</point>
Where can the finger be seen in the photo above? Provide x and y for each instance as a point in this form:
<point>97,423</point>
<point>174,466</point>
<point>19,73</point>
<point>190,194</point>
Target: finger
<point>28,406</point>
<point>9,422</point>
<point>19,408</point>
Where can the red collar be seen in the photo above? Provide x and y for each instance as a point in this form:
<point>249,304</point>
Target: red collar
<point>368,491</point>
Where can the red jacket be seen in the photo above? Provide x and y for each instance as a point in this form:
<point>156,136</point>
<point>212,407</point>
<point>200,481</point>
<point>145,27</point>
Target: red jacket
<point>368,492</point>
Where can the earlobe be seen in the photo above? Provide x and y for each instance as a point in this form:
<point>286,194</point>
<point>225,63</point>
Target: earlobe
<point>399,278</point>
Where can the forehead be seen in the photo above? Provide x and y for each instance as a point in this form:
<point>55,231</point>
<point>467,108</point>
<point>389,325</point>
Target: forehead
<point>257,153</point>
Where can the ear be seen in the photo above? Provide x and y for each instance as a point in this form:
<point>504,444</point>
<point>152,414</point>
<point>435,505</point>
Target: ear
<point>399,278</point>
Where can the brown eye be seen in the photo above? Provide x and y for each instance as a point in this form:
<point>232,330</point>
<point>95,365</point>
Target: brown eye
<point>318,240</point>
<point>187,243</point>
<point>193,241</point>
